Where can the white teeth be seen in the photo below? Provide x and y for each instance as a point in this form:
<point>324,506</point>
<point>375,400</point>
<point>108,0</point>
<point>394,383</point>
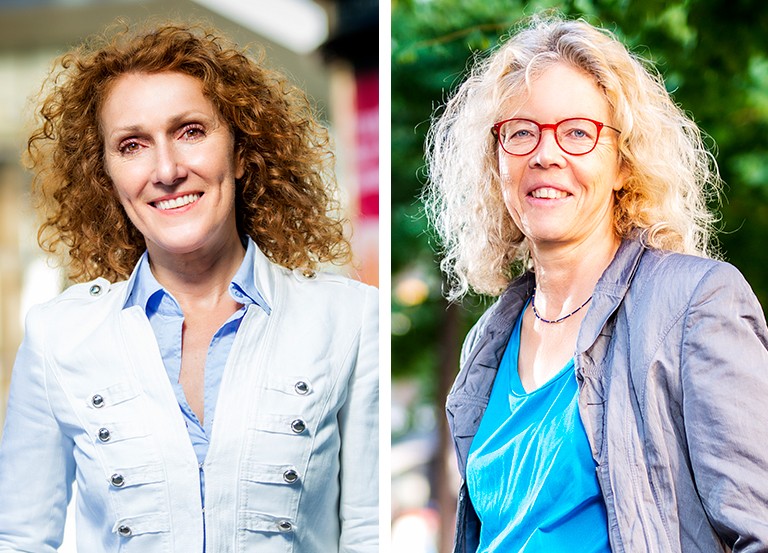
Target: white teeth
<point>549,193</point>
<point>177,202</point>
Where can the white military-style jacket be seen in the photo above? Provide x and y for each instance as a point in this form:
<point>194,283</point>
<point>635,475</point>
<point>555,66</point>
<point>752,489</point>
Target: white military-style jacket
<point>292,464</point>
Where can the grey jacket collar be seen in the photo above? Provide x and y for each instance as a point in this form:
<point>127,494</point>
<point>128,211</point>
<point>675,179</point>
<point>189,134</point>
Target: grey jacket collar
<point>609,291</point>
<point>485,346</point>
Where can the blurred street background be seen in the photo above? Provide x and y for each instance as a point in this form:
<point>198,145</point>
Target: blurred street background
<point>714,57</point>
<point>329,48</point>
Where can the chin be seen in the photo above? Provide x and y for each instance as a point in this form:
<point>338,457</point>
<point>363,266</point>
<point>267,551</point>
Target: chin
<point>179,246</point>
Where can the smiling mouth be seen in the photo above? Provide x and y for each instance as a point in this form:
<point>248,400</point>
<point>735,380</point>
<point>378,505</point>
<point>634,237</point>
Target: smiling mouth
<point>175,203</point>
<point>549,193</point>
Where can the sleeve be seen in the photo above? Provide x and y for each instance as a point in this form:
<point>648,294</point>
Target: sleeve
<point>36,458</point>
<point>725,393</point>
<point>358,424</point>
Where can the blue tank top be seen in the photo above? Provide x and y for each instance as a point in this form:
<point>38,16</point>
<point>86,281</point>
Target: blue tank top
<point>530,472</point>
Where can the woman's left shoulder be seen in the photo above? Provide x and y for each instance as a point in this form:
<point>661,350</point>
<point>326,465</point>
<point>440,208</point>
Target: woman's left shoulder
<point>687,268</point>
<point>687,276</point>
<point>328,288</point>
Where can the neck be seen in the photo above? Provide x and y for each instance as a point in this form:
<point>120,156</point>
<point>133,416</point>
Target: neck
<point>199,278</point>
<point>566,275</point>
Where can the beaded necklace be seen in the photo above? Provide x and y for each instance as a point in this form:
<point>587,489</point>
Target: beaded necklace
<point>561,319</point>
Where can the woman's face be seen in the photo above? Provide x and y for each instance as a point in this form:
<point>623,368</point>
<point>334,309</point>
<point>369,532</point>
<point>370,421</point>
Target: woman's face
<point>557,199</point>
<point>172,162</point>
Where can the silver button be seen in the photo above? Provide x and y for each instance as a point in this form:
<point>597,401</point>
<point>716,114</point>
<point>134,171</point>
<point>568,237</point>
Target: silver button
<point>290,476</point>
<point>104,435</point>
<point>125,531</point>
<point>298,426</point>
<point>95,290</point>
<point>117,480</point>
<point>97,401</point>
<point>309,274</point>
<point>301,387</point>
<point>285,526</point>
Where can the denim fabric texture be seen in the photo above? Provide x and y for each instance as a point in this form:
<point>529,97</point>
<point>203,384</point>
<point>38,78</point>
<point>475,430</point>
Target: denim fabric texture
<point>294,446</point>
<point>672,366</point>
<point>166,318</point>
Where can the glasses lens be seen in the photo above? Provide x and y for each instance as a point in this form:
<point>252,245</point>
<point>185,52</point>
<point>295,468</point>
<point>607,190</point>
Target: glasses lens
<point>577,136</point>
<point>519,136</point>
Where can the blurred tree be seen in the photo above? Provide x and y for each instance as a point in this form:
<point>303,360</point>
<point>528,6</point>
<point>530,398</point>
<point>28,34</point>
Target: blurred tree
<point>714,58</point>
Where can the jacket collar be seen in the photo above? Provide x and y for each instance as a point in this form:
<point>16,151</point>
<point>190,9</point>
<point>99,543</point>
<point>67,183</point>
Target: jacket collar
<point>610,291</point>
<point>608,294</point>
<point>264,277</point>
<point>502,320</point>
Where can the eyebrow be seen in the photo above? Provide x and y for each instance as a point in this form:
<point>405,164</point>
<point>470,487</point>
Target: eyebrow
<point>172,122</point>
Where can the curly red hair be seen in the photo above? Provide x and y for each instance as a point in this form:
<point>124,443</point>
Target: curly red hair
<point>284,202</point>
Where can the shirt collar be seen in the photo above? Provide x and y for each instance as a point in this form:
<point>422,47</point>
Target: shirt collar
<point>244,285</point>
<point>243,288</point>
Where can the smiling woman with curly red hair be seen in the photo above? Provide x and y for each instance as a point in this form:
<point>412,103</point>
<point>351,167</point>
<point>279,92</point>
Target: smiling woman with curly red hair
<point>284,202</point>
<point>206,362</point>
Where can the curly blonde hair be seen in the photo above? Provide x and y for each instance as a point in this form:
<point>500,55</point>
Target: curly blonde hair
<point>670,174</point>
<point>285,201</point>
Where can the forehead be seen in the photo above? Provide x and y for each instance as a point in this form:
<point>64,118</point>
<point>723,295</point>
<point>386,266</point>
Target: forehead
<point>557,92</point>
<point>133,97</point>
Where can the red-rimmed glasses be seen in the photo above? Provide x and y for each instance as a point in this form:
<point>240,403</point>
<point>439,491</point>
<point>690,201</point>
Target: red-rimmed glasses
<point>576,136</point>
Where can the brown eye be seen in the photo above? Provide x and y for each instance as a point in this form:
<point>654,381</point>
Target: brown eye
<point>129,147</point>
<point>192,132</point>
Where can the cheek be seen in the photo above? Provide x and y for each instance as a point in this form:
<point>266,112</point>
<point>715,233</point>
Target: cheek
<point>124,185</point>
<point>509,180</point>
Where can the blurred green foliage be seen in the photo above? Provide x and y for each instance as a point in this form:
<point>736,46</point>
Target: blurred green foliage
<point>714,58</point>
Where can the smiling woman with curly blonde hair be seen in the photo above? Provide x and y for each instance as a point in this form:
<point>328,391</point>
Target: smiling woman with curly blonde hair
<point>611,399</point>
<point>668,184</point>
<point>208,389</point>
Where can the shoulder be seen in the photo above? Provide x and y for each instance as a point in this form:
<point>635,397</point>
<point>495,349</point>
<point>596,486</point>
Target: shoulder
<point>502,314</point>
<point>324,291</point>
<point>674,277</point>
<point>669,287</point>
<point>79,307</point>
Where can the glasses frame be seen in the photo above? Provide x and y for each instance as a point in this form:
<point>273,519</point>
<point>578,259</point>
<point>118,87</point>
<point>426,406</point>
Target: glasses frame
<point>542,126</point>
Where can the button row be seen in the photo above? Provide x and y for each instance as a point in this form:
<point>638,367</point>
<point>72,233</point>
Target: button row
<point>282,525</point>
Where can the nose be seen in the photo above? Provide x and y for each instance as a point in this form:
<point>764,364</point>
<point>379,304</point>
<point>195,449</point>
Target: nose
<point>169,168</point>
<point>547,152</point>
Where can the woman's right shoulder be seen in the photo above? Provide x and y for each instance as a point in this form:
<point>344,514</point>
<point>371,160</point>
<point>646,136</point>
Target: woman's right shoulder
<point>502,312</point>
<point>79,306</point>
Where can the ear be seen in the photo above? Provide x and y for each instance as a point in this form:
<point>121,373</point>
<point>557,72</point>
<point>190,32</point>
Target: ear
<point>622,176</point>
<point>239,165</point>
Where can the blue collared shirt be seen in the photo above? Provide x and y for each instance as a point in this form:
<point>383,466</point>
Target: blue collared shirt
<point>166,318</point>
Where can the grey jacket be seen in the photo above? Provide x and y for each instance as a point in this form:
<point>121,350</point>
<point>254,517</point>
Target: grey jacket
<point>672,366</point>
